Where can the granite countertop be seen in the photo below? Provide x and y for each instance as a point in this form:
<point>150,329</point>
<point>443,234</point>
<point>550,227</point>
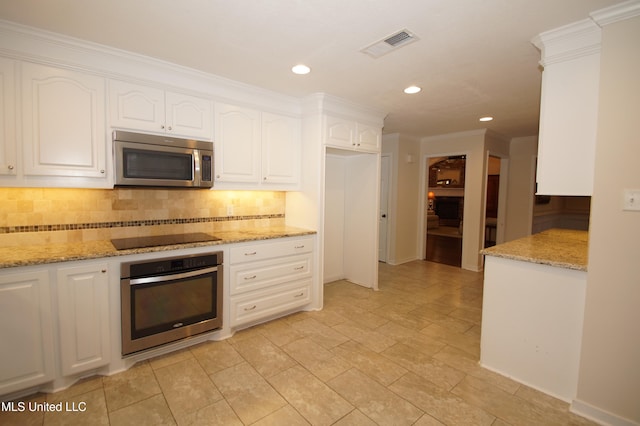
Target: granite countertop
<point>564,248</point>
<point>52,253</point>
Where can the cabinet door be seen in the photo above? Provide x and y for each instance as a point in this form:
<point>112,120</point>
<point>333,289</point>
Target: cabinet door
<point>368,138</point>
<point>7,117</point>
<point>340,132</point>
<point>280,149</point>
<point>568,127</point>
<point>136,107</point>
<point>26,334</point>
<point>189,116</point>
<point>83,315</point>
<point>237,144</point>
<point>63,122</point>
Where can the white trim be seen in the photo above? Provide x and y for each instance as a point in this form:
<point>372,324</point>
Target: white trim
<point>598,415</point>
<point>568,42</point>
<point>618,12</point>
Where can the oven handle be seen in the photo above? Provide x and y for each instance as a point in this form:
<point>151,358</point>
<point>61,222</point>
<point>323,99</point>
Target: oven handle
<point>161,278</point>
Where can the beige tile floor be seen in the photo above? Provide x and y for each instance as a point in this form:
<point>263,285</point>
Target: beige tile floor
<point>405,355</point>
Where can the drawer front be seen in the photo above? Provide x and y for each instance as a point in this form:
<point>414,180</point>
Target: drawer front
<point>258,275</point>
<point>269,250</point>
<point>261,305</point>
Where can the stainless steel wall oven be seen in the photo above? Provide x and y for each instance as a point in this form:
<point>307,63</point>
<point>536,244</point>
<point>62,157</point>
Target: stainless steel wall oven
<point>168,299</point>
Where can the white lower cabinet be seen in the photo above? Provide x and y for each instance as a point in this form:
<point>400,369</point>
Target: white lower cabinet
<point>262,305</point>
<point>83,317</point>
<point>55,324</point>
<point>26,334</point>
<point>269,278</point>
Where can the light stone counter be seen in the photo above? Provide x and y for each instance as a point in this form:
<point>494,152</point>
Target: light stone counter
<point>52,253</point>
<point>563,248</point>
<point>533,310</point>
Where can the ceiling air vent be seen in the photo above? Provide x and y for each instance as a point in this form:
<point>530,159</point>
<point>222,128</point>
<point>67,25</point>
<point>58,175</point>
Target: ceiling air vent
<point>390,43</point>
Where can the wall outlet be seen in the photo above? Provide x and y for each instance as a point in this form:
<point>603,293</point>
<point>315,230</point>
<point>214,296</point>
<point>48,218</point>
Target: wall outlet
<point>631,200</point>
<point>230,210</point>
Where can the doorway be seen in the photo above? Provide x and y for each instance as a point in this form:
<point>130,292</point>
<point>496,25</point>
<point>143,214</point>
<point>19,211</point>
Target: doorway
<point>445,183</point>
<point>495,201</point>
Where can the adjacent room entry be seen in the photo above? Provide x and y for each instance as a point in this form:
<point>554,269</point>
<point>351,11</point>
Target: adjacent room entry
<point>445,207</point>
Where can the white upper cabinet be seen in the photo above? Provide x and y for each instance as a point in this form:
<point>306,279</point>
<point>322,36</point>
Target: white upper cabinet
<point>237,144</point>
<point>256,150</point>
<point>352,135</point>
<point>568,108</point>
<point>280,149</point>
<point>8,164</point>
<point>63,123</point>
<point>145,108</point>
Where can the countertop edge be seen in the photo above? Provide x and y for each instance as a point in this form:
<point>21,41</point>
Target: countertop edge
<point>91,250</point>
<point>562,248</point>
<point>565,265</point>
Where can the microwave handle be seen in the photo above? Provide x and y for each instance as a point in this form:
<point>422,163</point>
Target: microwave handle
<point>162,278</point>
<point>196,167</point>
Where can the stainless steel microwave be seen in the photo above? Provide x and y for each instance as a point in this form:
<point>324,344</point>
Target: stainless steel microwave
<point>152,160</point>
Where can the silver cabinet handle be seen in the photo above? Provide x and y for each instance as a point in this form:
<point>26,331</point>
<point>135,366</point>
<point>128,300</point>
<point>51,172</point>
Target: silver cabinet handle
<point>252,277</point>
<point>251,308</point>
<point>253,253</point>
<point>298,268</point>
<point>299,295</point>
<point>10,167</point>
<point>161,278</point>
<point>299,247</point>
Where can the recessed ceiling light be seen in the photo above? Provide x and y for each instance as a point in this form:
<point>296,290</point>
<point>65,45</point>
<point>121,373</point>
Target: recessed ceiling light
<point>412,90</point>
<point>486,118</point>
<point>301,69</point>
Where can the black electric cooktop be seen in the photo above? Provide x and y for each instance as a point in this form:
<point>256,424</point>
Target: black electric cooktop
<point>161,240</point>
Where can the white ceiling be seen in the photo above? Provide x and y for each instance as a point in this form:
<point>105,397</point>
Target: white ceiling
<point>474,58</point>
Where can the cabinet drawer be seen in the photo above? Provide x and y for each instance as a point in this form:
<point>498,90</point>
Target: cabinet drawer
<point>261,251</point>
<point>261,305</point>
<point>257,275</point>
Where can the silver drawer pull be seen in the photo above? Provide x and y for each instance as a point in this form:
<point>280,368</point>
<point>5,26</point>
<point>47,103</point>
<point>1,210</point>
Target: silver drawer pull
<point>299,247</point>
<point>252,277</point>
<point>298,268</point>
<point>253,253</point>
<point>251,308</point>
<point>299,295</point>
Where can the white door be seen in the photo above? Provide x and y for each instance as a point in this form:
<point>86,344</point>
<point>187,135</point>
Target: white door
<point>384,208</point>
<point>83,295</point>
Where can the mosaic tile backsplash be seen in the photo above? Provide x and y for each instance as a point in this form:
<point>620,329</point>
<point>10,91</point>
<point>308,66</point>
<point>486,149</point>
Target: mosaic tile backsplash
<point>50,215</point>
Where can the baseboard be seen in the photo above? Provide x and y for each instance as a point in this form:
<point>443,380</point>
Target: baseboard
<point>396,262</point>
<point>598,415</point>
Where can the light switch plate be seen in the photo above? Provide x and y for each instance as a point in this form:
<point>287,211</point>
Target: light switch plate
<point>631,200</point>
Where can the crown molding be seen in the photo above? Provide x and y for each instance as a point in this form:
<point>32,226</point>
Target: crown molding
<point>616,13</point>
<point>568,42</point>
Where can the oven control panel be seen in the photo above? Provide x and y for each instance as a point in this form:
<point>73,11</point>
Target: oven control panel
<point>170,265</point>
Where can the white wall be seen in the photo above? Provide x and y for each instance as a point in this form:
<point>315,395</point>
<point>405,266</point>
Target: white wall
<point>520,192</point>
<point>334,218</point>
<point>404,197</point>
<point>610,359</point>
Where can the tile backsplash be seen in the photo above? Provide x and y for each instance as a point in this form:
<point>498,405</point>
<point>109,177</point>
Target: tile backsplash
<point>52,215</point>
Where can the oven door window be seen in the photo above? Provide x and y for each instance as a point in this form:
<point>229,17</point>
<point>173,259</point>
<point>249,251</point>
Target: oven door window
<point>142,164</point>
<point>172,304</point>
